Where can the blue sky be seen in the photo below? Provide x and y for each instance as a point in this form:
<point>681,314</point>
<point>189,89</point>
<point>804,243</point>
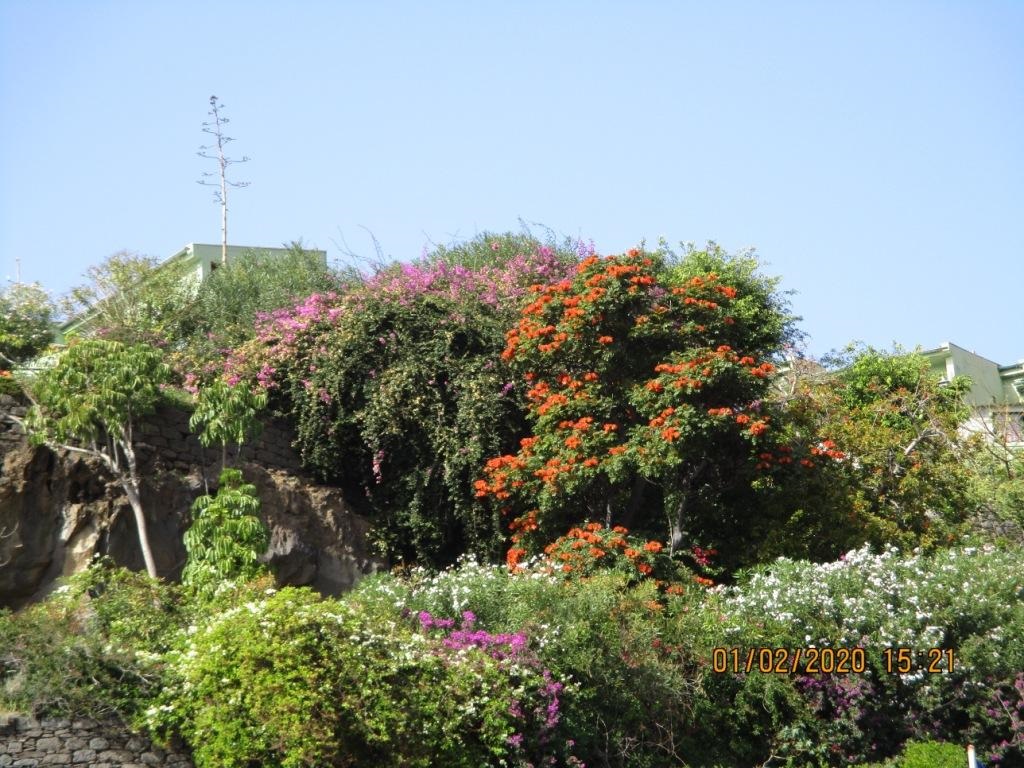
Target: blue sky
<point>872,153</point>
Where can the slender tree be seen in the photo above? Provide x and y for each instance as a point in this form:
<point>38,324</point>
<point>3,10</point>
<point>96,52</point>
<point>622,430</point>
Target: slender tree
<point>227,414</point>
<point>215,151</point>
<point>90,401</point>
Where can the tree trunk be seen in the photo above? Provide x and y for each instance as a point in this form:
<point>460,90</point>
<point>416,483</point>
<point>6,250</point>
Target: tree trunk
<point>131,490</point>
<point>636,497</point>
<point>224,222</point>
<point>130,483</point>
<point>679,533</point>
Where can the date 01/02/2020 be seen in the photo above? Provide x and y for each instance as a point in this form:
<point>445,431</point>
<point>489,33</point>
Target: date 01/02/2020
<point>900,661</point>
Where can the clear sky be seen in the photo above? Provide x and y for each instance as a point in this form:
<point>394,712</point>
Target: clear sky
<point>872,152</point>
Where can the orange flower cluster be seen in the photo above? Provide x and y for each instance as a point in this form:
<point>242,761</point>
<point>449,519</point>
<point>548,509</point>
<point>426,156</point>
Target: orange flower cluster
<point>670,434</point>
<point>587,547</point>
<point>538,392</point>
<point>521,527</point>
<point>523,524</point>
<point>548,474</point>
<point>551,402</point>
<point>782,456</point>
<point>571,310</point>
<point>705,283</point>
<point>705,303</point>
<point>828,448</point>
<point>583,424</point>
<point>513,558</point>
<point>498,469</point>
<point>659,420</point>
<point>758,428</point>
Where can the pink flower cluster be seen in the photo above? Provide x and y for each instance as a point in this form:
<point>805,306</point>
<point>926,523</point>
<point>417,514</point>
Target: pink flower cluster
<point>540,713</point>
<point>286,336</point>
<point>492,285</point>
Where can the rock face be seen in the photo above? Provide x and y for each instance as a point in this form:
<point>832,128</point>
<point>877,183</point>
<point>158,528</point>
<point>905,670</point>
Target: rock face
<point>58,511</point>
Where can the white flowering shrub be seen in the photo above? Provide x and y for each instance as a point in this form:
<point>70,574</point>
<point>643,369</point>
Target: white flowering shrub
<point>630,678</point>
<point>290,679</point>
<point>888,600</point>
<point>942,642</point>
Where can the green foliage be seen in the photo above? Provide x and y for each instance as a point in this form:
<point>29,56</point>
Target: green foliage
<point>762,317</point>
<point>90,402</point>
<point>226,538</point>
<point>925,754</point>
<point>625,647</point>
<point>413,399</point>
<point>905,476</point>
<point>26,319</point>
<point>998,466</point>
<point>478,665</point>
<point>227,414</point>
<point>227,304</point>
<point>91,649</point>
<point>96,392</point>
<point>932,754</point>
<point>132,299</point>
<point>290,679</point>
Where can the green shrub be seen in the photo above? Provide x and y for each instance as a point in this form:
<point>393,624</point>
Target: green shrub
<point>226,306</point>
<point>226,538</point>
<point>925,754</point>
<point>964,604</point>
<point>933,754</point>
<point>92,648</point>
<point>290,679</point>
<point>26,320</point>
<point>627,648</point>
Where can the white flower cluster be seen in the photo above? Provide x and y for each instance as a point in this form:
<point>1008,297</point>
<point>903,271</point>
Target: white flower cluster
<point>883,600</point>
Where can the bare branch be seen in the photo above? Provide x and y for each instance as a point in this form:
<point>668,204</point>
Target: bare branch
<point>216,129</point>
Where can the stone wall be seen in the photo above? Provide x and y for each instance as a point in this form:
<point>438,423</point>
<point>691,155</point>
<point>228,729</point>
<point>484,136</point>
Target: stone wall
<point>27,742</point>
<point>167,433</point>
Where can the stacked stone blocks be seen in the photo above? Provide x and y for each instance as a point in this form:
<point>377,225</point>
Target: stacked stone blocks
<point>27,742</point>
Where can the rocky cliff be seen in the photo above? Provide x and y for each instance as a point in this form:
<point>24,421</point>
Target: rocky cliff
<point>58,510</point>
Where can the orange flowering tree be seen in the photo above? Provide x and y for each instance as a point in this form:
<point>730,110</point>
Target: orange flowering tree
<point>645,379</point>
